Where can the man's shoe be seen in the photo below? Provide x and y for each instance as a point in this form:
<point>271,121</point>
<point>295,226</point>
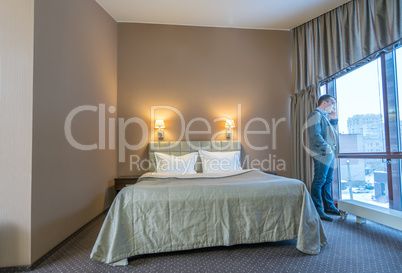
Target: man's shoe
<point>333,210</point>
<point>325,217</point>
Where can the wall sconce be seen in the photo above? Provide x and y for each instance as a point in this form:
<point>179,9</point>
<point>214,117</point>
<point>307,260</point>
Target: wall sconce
<point>229,125</point>
<point>159,124</point>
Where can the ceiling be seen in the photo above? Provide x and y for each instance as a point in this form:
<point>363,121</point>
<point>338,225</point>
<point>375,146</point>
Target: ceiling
<point>253,14</point>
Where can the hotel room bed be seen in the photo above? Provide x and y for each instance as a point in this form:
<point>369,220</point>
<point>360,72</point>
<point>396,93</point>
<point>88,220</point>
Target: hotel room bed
<point>163,213</point>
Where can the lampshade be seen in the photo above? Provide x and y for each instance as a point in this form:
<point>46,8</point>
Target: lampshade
<point>159,123</point>
<point>229,123</point>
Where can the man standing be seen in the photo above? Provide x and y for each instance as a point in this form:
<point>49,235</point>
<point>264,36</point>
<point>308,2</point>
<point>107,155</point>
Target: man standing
<point>323,138</point>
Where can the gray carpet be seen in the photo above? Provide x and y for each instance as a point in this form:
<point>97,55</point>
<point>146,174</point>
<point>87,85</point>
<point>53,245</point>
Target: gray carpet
<point>352,248</point>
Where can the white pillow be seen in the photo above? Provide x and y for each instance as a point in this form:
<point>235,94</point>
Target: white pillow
<point>171,164</point>
<point>217,162</point>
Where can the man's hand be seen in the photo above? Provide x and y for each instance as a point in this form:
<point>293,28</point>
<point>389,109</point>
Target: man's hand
<point>332,115</point>
<point>328,150</point>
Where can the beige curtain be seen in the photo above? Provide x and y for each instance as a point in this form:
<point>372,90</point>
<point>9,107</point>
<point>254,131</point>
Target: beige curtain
<point>303,103</point>
<point>329,45</point>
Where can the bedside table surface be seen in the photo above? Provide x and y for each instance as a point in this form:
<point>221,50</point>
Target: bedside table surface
<point>121,181</point>
<point>128,177</point>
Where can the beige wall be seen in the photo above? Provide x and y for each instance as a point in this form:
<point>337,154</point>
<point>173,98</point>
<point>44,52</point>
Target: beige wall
<point>202,72</point>
<point>75,64</point>
<point>206,73</point>
<point>16,72</point>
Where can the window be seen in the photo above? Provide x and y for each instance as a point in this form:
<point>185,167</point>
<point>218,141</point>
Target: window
<point>323,90</point>
<point>370,125</point>
<point>360,111</point>
<point>399,93</point>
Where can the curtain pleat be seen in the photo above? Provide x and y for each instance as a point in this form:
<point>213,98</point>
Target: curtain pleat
<point>330,45</point>
<point>302,104</point>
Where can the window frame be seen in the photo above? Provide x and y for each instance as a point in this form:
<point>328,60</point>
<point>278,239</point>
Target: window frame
<point>391,114</point>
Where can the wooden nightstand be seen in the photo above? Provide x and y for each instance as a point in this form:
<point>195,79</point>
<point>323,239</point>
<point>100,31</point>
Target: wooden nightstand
<point>122,181</point>
<point>270,172</point>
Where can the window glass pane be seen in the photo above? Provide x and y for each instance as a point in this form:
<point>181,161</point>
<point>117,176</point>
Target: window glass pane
<point>323,90</point>
<point>397,180</point>
<point>360,110</point>
<point>365,180</point>
<point>399,79</point>
<point>400,179</point>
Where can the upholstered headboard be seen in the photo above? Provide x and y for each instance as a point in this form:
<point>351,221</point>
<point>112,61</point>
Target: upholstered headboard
<point>179,148</point>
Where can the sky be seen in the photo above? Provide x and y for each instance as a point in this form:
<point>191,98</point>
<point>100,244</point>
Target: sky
<point>360,92</point>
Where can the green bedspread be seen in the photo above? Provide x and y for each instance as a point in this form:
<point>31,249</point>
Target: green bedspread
<point>164,213</point>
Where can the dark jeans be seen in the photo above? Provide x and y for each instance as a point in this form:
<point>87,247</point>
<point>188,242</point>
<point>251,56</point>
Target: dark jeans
<point>321,186</point>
